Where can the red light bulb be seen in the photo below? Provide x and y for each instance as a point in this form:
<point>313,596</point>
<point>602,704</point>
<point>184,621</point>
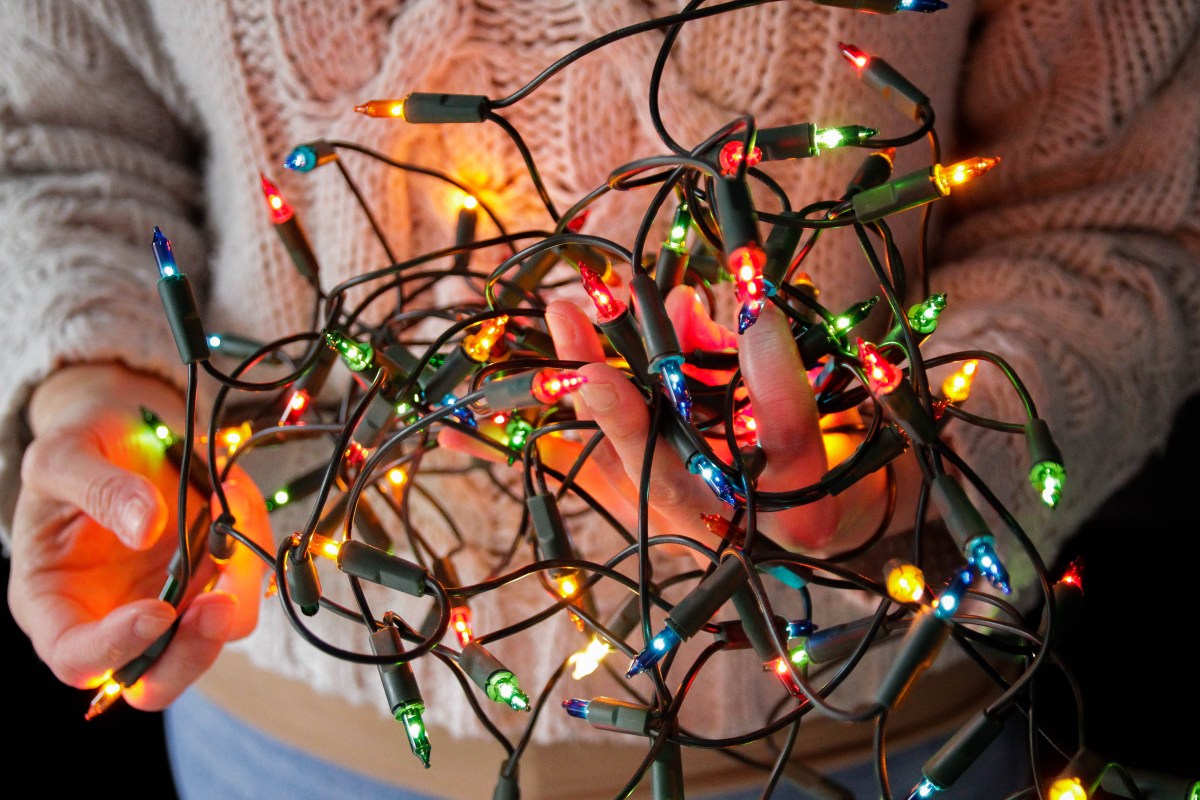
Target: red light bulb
<point>295,408</point>
<point>731,156</point>
<point>551,385</point>
<point>460,623</point>
<point>855,56</point>
<point>281,210</point>
<point>882,375</point>
<point>608,307</point>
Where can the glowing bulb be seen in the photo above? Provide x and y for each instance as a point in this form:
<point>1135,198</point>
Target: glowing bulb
<point>567,586</point>
<point>957,386</point>
<point>382,109</point>
<point>676,386</point>
<point>746,265</point>
<point>700,465</point>
<point>397,476</point>
<point>905,582</point>
<point>855,56</point>
<point>502,688</point>
<point>783,671</point>
<point>357,355</point>
<point>677,237</point>
<point>882,375</point>
<point>1067,789</point>
<point>281,497</point>
<point>234,438</point>
<point>945,178</point>
<point>460,623</point>
<point>280,210</point>
<point>469,202</point>
<point>847,134</point>
<point>551,385</point>
<point>608,307</point>
<point>478,346</point>
<point>732,154</point>
<point>588,659</point>
<point>324,547</point>
<point>1047,478</point>
<point>923,317</point>
<point>163,254</point>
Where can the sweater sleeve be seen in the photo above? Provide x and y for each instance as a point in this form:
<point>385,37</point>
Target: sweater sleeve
<point>91,158</point>
<point>1076,260</point>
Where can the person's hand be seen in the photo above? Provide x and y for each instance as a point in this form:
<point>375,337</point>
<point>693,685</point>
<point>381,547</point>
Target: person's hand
<point>788,427</point>
<point>94,530</point>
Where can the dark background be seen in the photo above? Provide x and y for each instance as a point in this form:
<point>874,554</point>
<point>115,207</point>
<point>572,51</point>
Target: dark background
<point>1131,651</point>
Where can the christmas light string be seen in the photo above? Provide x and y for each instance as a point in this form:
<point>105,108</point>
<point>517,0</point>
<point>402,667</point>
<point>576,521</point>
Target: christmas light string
<point>493,363</point>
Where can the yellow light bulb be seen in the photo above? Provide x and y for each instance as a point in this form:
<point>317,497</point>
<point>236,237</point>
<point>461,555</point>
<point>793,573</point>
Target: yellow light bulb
<point>1067,789</point>
<point>325,547</point>
<point>959,173</point>
<point>478,347</point>
<point>905,582</point>
<point>397,476</point>
<point>588,659</point>
<point>957,386</point>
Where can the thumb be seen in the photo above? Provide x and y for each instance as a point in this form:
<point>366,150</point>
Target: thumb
<point>69,466</point>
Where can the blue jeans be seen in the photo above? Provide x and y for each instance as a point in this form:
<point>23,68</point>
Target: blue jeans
<point>216,755</point>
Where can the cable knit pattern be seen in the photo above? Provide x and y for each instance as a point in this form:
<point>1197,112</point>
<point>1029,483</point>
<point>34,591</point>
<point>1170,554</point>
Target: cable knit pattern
<point>1076,260</point>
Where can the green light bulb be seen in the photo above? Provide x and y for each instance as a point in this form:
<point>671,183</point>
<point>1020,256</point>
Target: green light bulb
<point>414,729</point>
<point>923,317</point>
<point>518,431</point>
<point>851,316</point>
<point>1047,478</point>
<point>282,497</point>
<point>357,355</point>
<point>502,687</point>
<point>846,134</point>
<point>160,429</point>
<point>677,238</point>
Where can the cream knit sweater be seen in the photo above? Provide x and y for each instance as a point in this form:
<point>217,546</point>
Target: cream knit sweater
<point>1076,260</point>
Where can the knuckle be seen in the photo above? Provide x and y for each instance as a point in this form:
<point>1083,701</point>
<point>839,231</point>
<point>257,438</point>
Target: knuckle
<point>104,495</point>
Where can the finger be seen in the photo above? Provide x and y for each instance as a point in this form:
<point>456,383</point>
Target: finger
<point>611,489</point>
<point>694,327</point>
<point>207,624</point>
<point>621,412</point>
<point>574,337</point>
<point>69,465</point>
<point>788,426</point>
<point>80,650</point>
<point>576,340</point>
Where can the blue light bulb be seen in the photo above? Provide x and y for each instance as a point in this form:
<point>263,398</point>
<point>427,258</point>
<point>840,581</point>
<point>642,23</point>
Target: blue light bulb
<point>163,255</point>
<point>927,6</point>
<point>673,381</point>
<point>461,413</point>
<point>577,708</point>
<point>981,554</point>
<point>950,598</point>
<point>716,480</point>
<point>926,788</point>
<point>660,645</point>
<point>301,159</point>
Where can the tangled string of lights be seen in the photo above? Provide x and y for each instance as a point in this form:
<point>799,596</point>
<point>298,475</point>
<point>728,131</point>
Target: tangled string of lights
<point>492,374</point>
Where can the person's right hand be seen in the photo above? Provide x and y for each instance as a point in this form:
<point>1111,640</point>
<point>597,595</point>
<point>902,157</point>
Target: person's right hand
<point>95,527</point>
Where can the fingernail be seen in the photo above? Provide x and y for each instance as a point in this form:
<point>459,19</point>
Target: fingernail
<point>133,518</point>
<point>216,619</point>
<point>599,396</point>
<point>152,624</point>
